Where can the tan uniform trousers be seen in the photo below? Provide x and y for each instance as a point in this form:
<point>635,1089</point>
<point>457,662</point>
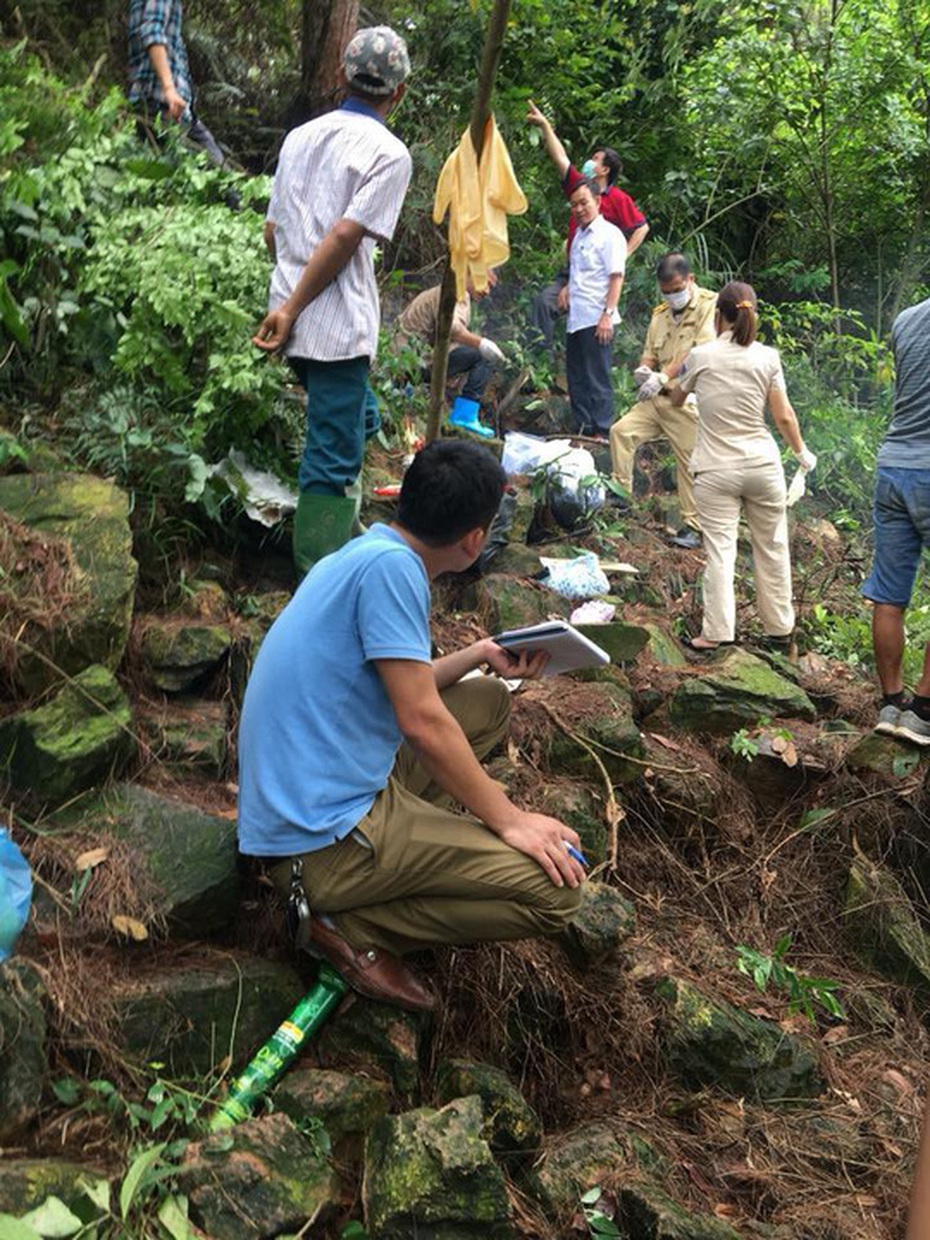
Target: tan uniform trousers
<point>654,419</point>
<point>760,489</point>
<point>432,875</point>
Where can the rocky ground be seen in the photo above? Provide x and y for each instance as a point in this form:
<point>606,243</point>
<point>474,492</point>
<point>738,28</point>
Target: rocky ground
<point>727,802</point>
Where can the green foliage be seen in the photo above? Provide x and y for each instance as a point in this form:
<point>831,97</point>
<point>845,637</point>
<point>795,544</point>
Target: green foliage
<point>805,993</point>
<point>743,745</point>
<point>847,638</point>
<point>599,1223</point>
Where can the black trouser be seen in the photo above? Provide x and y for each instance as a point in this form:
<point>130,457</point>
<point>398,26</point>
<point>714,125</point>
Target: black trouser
<point>545,313</point>
<point>196,131</point>
<point>590,390</point>
<point>463,359</point>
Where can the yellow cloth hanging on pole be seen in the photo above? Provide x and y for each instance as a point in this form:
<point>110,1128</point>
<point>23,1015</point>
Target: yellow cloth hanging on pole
<point>478,196</point>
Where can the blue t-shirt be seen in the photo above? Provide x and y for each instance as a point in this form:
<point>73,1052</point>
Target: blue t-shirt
<point>318,734</point>
<point>907,444</point>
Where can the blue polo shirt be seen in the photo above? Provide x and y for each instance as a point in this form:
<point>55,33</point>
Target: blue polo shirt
<point>318,734</point>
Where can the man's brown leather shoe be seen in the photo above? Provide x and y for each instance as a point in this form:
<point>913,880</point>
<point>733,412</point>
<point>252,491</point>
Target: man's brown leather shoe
<point>373,973</point>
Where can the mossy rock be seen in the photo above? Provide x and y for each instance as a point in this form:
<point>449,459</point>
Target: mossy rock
<point>516,560</point>
<point>736,691</point>
<point>884,755</point>
<point>431,1174</point>
<point>379,1036</point>
<point>600,927</point>
<point>575,804</point>
<point>190,858</point>
<point>584,1157</point>
<point>26,1182</point>
<point>179,658</point>
<point>884,927</point>
<point>508,603</point>
<point>191,1018</point>
<point>93,515</point>
<point>258,1179</point>
<point>648,1213</point>
<point>523,515</point>
<point>512,1128</point>
<point>622,641</point>
<point>192,737</point>
<point>22,1049</point>
<point>79,738</point>
<point>607,725</point>
<point>771,780</point>
<point>663,648</point>
<point>709,1042</point>
<point>347,1105</point>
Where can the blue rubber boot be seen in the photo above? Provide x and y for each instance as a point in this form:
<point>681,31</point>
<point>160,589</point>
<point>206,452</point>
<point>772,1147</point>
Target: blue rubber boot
<point>464,417</point>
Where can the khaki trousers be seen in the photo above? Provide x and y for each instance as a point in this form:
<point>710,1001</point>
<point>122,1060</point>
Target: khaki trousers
<point>654,419</point>
<point>760,490</point>
<point>432,875</point>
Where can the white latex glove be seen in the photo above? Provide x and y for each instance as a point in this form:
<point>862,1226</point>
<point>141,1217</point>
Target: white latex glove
<point>489,350</point>
<point>653,385</point>
<point>641,374</point>
<point>806,459</point>
<point>691,404</point>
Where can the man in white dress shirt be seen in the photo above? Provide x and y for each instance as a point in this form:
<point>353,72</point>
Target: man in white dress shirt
<point>338,190</point>
<point>594,284</point>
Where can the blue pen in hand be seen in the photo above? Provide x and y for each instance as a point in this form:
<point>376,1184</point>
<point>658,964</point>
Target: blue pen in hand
<point>573,852</point>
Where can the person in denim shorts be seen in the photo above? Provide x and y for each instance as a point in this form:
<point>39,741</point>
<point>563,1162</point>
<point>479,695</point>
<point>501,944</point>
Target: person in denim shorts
<point>902,526</point>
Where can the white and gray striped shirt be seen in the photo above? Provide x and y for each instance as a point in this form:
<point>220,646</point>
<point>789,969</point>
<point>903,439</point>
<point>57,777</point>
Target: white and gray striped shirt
<point>344,165</point>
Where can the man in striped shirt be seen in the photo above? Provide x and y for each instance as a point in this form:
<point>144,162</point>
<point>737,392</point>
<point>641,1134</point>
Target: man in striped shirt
<point>339,187</point>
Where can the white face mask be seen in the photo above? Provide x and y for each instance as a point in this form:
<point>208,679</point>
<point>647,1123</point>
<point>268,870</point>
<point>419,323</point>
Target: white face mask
<point>678,301</point>
<point>587,169</point>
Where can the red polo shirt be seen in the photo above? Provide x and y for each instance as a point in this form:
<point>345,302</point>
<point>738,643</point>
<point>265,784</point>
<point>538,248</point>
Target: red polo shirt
<point>617,207</point>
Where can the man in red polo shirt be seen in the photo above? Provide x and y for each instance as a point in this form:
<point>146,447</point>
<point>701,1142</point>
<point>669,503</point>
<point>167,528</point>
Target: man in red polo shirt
<point>617,207</point>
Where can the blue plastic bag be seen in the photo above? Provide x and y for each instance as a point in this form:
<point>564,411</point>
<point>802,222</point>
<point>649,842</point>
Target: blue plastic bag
<point>15,893</point>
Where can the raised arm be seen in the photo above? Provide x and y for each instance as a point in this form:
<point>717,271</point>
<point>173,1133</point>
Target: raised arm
<point>554,147</point>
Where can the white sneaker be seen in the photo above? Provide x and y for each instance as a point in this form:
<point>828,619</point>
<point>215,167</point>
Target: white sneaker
<point>888,718</point>
<point>910,727</point>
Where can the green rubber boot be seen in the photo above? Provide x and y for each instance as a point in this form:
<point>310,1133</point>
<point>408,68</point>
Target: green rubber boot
<point>322,523</point>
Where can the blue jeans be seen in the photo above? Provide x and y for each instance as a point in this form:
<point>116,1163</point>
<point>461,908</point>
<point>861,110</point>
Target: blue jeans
<point>342,411</point>
<point>901,516</point>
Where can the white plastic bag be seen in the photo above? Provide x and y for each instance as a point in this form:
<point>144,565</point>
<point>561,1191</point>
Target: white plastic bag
<point>796,489</point>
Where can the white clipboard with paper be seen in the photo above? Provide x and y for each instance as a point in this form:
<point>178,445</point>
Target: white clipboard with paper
<point>568,649</point>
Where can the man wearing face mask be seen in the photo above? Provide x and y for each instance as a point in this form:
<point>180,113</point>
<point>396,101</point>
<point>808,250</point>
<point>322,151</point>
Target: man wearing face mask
<point>338,189</point>
<point>616,207</point>
<point>684,318</point>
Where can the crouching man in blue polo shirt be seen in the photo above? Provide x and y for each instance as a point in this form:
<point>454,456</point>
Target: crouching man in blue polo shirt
<point>355,743</point>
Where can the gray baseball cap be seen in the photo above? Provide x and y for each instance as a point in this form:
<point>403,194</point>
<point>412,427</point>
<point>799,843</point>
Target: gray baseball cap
<point>376,60</point>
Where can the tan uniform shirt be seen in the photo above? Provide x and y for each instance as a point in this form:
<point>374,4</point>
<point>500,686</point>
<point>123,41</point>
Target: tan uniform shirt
<point>732,383</point>
<point>419,318</point>
<point>671,336</point>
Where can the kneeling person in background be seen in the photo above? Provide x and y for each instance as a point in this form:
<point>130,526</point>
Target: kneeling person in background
<point>469,354</point>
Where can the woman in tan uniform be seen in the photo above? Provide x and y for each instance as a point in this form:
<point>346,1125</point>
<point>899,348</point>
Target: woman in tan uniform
<point>737,465</point>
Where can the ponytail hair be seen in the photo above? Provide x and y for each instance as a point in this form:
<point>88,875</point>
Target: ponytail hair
<point>738,309</point>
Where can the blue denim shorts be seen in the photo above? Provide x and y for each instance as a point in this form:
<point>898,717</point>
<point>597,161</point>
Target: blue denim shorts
<point>901,515</point>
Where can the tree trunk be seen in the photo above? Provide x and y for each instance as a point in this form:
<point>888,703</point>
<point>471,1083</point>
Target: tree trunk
<point>326,26</point>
